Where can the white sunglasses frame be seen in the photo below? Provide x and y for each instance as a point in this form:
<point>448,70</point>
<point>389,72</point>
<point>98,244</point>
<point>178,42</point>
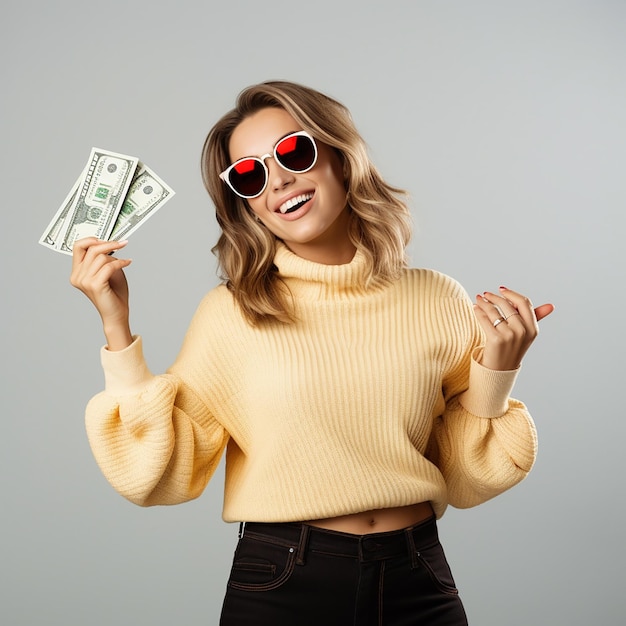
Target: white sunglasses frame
<point>261,160</point>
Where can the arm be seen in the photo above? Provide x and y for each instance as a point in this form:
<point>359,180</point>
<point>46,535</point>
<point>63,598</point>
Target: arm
<point>485,442</point>
<point>154,440</point>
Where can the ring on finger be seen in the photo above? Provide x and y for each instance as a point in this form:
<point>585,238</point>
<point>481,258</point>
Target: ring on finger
<point>498,321</point>
<point>506,317</point>
<point>501,313</point>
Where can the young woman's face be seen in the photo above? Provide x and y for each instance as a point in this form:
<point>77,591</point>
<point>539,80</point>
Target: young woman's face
<point>318,227</point>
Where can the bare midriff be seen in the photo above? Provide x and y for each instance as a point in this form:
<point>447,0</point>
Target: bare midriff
<point>377,520</point>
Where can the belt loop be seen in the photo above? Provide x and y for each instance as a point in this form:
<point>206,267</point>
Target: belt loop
<point>241,527</point>
<point>302,544</point>
<point>408,533</point>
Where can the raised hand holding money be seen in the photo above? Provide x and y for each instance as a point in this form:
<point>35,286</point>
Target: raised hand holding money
<point>100,276</point>
<point>113,197</point>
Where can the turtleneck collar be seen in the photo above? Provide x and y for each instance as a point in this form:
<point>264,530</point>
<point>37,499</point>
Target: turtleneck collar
<point>317,279</point>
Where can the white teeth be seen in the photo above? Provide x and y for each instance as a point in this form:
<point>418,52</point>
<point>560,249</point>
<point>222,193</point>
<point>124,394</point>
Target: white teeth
<point>283,208</point>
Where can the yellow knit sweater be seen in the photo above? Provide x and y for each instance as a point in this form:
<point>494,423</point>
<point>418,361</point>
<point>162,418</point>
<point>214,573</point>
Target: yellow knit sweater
<point>371,400</point>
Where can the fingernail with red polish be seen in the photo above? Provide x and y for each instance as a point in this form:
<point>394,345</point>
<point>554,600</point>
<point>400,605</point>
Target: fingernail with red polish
<point>503,288</point>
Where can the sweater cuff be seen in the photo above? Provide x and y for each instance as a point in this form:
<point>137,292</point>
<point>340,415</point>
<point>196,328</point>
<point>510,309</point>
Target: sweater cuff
<point>489,390</point>
<point>125,371</point>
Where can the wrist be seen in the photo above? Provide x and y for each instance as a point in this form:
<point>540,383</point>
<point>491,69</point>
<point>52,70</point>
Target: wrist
<point>496,361</point>
<point>118,336</point>
<point>498,365</point>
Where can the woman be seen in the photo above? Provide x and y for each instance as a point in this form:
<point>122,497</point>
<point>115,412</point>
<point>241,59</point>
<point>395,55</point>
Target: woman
<point>356,398</point>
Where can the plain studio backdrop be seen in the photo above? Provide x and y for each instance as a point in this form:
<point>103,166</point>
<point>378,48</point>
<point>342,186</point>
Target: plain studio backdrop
<point>506,122</point>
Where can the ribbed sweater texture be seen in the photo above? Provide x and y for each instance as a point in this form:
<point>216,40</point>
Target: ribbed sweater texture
<point>373,398</point>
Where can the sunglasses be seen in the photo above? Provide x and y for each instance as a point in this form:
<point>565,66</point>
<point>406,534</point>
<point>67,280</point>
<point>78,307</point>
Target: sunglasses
<point>248,177</point>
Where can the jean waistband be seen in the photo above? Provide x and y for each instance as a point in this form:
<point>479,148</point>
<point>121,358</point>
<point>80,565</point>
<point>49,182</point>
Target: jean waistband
<point>371,547</point>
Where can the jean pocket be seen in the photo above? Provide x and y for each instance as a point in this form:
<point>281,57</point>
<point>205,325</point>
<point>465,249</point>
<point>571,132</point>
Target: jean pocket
<point>261,565</point>
<point>433,560</point>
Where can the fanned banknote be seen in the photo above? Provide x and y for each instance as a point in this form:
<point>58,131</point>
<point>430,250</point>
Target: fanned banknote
<point>113,196</point>
<point>51,234</point>
<point>146,195</point>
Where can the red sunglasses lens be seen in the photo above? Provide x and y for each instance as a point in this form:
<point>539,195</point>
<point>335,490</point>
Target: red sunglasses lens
<point>247,177</point>
<point>296,153</point>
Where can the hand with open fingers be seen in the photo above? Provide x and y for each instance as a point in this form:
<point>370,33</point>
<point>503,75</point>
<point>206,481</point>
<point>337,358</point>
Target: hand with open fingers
<point>100,276</point>
<point>510,323</point>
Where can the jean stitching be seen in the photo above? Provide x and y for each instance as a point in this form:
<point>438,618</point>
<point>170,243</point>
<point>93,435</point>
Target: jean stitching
<point>356,604</point>
<point>302,545</point>
<point>380,593</point>
<point>271,540</point>
<point>431,572</point>
<point>251,566</point>
<point>412,549</point>
<point>286,573</point>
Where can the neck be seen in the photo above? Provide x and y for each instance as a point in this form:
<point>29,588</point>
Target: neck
<point>325,255</point>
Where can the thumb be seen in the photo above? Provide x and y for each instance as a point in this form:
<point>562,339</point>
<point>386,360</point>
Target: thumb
<point>543,311</point>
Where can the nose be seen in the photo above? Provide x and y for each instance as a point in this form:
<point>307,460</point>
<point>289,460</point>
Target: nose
<point>278,177</point>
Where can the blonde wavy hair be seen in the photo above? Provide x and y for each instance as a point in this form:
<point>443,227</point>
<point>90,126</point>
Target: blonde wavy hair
<point>379,225</point>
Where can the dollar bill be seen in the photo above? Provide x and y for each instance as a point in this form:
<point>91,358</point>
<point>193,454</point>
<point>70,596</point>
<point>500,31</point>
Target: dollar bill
<point>98,199</point>
<point>146,195</point>
<point>51,234</point>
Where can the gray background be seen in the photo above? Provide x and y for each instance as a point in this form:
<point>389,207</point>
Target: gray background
<point>507,123</point>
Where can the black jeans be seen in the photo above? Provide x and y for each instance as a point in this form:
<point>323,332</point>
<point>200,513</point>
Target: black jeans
<point>297,575</point>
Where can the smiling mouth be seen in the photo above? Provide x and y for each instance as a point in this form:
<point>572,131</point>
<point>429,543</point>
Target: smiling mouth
<point>293,204</point>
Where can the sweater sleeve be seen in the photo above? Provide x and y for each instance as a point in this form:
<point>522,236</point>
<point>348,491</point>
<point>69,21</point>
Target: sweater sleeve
<point>484,442</point>
<point>155,441</point>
